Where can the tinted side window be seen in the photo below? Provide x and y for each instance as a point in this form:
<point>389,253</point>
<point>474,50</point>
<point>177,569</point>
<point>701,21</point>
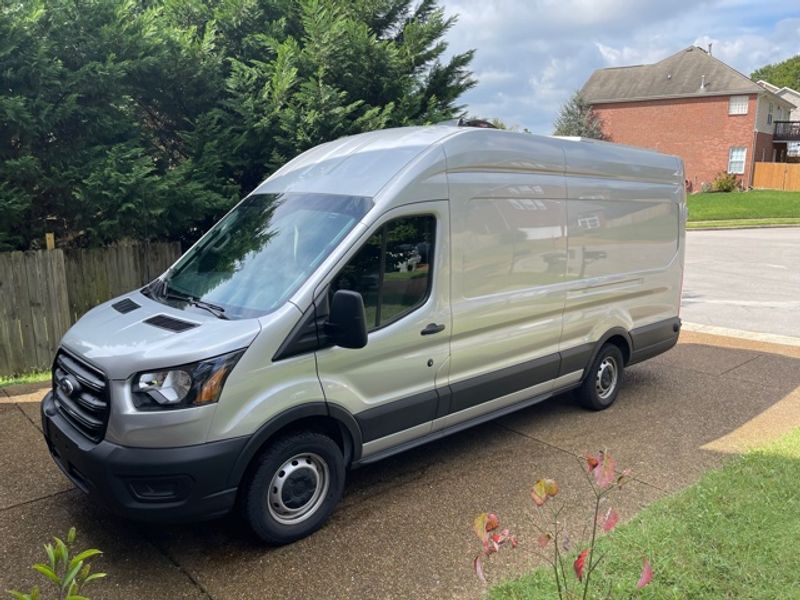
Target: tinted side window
<point>392,271</point>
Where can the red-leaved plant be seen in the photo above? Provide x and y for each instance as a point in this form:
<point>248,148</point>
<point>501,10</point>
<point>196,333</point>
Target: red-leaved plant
<point>601,473</point>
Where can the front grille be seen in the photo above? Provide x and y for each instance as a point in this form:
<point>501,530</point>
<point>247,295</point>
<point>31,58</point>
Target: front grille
<point>81,395</point>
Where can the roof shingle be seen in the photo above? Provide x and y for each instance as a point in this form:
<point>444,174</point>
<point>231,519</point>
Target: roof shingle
<point>688,73</point>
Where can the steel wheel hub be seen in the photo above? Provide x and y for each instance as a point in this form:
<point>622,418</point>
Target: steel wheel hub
<point>606,378</point>
<point>298,488</point>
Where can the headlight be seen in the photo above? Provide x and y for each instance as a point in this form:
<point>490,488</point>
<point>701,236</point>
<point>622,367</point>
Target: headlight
<point>196,384</point>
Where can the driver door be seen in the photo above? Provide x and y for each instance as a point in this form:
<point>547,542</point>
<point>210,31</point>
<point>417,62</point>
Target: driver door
<point>401,269</point>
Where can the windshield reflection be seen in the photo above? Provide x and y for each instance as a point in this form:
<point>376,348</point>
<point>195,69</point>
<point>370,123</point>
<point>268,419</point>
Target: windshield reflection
<point>251,262</point>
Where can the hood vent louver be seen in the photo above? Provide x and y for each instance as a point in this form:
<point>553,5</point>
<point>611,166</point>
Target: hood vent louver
<point>170,323</point>
<point>125,306</point>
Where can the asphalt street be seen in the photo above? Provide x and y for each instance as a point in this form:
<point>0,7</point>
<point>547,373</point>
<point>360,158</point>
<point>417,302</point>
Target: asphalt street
<point>747,279</point>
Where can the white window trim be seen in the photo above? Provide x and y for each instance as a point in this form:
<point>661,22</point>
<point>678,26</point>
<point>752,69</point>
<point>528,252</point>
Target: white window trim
<point>738,105</point>
<point>731,161</point>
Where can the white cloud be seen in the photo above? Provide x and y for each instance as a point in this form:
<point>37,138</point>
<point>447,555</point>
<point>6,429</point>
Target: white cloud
<point>532,55</point>
<point>627,55</point>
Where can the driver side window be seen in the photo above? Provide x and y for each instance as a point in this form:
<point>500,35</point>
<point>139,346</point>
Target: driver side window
<point>393,270</point>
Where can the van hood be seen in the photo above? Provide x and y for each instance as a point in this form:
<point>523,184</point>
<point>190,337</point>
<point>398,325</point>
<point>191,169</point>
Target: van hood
<point>133,333</point>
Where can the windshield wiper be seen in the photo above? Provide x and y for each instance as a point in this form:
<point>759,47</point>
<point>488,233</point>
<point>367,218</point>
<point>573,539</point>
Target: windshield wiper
<point>214,309</point>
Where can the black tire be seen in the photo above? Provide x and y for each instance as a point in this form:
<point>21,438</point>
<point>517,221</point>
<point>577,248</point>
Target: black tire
<point>302,472</point>
<point>601,385</point>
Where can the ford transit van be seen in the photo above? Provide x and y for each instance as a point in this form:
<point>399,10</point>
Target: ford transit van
<point>376,293</point>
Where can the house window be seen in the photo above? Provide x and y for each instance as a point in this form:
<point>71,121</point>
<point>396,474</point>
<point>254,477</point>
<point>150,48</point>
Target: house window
<point>769,114</point>
<point>736,158</point>
<point>738,105</point>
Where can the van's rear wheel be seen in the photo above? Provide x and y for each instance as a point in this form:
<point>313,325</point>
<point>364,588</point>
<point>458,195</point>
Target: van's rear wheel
<point>295,485</point>
<point>603,379</point>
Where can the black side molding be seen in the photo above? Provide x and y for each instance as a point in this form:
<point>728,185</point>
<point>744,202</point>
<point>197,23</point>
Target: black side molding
<point>396,416</point>
<point>484,388</point>
<point>651,340</point>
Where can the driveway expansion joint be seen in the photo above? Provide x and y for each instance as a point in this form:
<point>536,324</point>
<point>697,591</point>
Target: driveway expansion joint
<point>578,456</point>
<point>36,425</point>
<point>34,500</point>
<point>535,439</point>
<point>194,581</point>
<point>743,364</point>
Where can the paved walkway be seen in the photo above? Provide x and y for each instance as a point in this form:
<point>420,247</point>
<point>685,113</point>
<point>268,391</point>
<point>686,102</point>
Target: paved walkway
<point>404,527</point>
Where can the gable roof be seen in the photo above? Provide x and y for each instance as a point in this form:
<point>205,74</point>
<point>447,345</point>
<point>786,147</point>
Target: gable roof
<point>692,72</point>
<point>782,92</point>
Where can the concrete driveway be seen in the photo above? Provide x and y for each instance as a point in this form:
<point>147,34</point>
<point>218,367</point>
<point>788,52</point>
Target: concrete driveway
<point>746,279</point>
<point>403,529</point>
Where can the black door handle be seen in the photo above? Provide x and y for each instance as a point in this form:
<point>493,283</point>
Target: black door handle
<point>432,328</point>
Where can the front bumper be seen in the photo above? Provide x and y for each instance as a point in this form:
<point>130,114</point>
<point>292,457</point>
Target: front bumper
<point>150,484</point>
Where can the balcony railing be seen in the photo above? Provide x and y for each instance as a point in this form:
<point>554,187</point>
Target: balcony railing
<point>787,131</point>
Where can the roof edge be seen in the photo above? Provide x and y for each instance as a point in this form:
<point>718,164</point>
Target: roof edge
<point>675,96</point>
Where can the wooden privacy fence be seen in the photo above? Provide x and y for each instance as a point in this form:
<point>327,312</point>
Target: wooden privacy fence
<point>777,176</point>
<point>43,292</point>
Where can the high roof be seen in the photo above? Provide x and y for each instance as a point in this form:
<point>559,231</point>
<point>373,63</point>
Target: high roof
<point>384,162</point>
<point>692,72</point>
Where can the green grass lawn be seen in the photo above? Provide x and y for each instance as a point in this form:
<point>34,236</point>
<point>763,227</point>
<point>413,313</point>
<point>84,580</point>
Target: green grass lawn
<point>39,376</point>
<point>766,207</point>
<point>732,535</point>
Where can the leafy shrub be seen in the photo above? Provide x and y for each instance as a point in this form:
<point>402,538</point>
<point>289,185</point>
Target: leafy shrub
<point>67,575</point>
<point>601,473</point>
<point>724,182</point>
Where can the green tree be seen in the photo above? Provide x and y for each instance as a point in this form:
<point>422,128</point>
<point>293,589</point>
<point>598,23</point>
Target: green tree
<point>782,74</point>
<point>578,118</point>
<point>150,118</point>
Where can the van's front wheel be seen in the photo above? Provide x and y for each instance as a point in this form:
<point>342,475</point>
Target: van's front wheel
<point>294,487</point>
<point>603,379</point>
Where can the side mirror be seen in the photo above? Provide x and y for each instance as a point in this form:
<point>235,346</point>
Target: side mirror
<point>347,322</point>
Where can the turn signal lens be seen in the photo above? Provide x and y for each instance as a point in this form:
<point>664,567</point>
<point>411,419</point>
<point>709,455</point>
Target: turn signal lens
<point>212,388</point>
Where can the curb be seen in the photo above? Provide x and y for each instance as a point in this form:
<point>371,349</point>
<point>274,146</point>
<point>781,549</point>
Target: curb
<point>736,227</point>
<point>755,336</point>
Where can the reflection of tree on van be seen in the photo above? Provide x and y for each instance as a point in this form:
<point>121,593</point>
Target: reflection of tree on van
<point>271,242</point>
<point>219,255</point>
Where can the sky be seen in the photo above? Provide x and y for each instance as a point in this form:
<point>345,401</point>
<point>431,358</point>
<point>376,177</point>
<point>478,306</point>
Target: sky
<point>531,55</point>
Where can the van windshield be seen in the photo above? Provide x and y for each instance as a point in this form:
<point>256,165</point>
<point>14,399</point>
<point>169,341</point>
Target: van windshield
<point>256,257</point>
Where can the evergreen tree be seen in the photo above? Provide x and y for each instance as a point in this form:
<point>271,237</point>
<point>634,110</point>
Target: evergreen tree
<point>150,118</point>
<point>577,118</point>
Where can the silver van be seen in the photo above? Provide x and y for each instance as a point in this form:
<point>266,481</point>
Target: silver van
<point>376,293</point>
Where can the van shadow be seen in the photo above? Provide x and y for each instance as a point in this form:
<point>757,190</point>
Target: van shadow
<point>677,415</point>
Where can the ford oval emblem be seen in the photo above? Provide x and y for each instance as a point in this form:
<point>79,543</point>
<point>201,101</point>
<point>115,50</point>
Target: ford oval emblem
<point>66,386</point>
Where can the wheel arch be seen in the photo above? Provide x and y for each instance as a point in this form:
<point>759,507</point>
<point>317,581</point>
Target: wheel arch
<point>618,336</point>
<point>321,417</point>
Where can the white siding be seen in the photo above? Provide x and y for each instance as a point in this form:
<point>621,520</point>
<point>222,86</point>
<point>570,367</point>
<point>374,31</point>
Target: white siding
<point>762,110</point>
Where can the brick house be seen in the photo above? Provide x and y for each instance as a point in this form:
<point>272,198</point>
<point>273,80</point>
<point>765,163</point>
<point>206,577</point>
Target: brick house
<point>694,106</point>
